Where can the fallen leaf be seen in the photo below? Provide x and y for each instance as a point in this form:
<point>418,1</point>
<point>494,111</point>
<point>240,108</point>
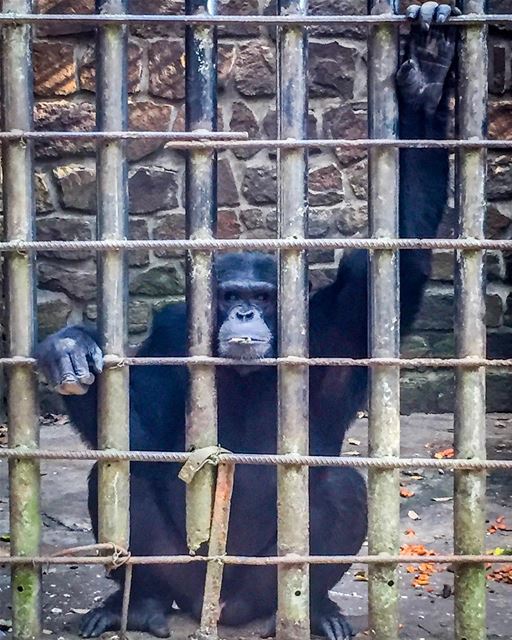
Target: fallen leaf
<point>354,441</point>
<point>413,515</point>
<point>350,453</point>
<point>80,611</point>
<point>406,493</point>
<point>502,574</point>
<point>445,453</point>
<point>443,499</point>
<point>410,533</point>
<point>361,576</point>
<point>498,525</point>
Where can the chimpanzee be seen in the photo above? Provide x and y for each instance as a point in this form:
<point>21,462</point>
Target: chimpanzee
<point>247,396</point>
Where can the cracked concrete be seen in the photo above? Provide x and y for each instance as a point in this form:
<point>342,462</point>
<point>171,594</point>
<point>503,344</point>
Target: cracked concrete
<point>70,591</point>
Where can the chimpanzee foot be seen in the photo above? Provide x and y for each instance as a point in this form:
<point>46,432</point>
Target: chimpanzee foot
<point>429,56</point>
<point>144,615</point>
<point>327,620</point>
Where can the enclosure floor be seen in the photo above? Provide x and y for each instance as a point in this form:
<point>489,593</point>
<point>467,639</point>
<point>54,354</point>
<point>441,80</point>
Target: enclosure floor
<point>68,592</point>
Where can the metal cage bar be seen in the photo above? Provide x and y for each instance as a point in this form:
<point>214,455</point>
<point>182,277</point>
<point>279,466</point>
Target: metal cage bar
<point>384,335</point>
<point>293,382</point>
<point>469,493</point>
<point>201,208</point>
<point>112,222</point>
<point>24,478</point>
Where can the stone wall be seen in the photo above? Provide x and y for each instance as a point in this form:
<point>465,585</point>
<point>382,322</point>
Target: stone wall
<point>64,70</point>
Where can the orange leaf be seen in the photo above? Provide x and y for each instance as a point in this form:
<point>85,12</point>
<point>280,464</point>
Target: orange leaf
<point>406,493</point>
<point>445,453</point>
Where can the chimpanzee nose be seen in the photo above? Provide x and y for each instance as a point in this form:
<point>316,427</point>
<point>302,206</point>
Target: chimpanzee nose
<point>244,315</point>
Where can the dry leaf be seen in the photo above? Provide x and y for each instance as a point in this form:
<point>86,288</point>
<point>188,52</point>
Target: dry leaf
<point>354,441</point>
<point>413,515</point>
<point>445,453</point>
<point>443,499</point>
<point>410,533</point>
<point>406,493</point>
<point>361,576</point>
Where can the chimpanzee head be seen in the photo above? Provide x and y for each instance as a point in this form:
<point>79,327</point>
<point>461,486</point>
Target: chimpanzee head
<point>246,305</point>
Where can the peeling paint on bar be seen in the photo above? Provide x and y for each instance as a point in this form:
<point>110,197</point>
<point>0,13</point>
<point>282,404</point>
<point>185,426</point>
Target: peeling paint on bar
<point>23,427</point>
<point>201,197</point>
<point>384,398</point>
<point>469,494</point>
<point>112,224</point>
<point>293,505</point>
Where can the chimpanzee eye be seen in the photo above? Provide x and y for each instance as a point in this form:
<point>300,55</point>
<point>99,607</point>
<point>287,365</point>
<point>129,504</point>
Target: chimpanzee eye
<point>262,297</point>
<point>230,296</point>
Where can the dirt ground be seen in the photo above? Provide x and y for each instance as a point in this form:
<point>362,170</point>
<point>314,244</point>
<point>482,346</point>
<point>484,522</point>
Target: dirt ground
<point>426,611</point>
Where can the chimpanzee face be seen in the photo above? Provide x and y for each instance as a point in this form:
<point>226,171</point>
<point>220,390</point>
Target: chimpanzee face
<point>246,305</point>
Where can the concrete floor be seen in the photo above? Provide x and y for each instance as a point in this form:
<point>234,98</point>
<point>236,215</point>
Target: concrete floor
<point>70,591</point>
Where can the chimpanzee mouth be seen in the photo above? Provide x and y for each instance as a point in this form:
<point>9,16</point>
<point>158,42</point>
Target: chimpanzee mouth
<point>246,340</point>
<point>245,348</point>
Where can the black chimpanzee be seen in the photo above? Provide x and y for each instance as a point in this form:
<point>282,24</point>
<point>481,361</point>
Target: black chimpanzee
<point>247,395</point>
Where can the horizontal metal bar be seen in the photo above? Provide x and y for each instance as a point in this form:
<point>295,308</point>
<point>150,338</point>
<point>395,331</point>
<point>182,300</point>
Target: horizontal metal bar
<point>235,140</point>
<point>404,363</point>
<point>291,559</point>
<point>258,244</point>
<point>262,459</point>
<point>281,20</point>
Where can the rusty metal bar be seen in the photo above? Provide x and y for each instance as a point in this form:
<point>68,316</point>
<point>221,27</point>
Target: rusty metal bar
<point>263,459</point>
<point>384,338</point>
<point>112,222</point>
<point>201,244</point>
<point>260,560</point>
<point>217,548</point>
<point>469,493</point>
<point>199,20</point>
<point>201,209</point>
<point>23,422</point>
<point>293,619</point>
<point>23,427</point>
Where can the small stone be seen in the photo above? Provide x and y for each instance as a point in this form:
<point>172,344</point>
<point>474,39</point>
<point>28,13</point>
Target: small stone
<point>87,68</point>
<point>166,63</point>
<point>349,123</point>
<point>77,187</point>
<point>138,230</point>
<point>331,70</point>
<point>78,283</point>
<point>157,7</point>
<point>252,219</point>
<point>239,8</point>
<point>260,185</point>
<point>493,310</point>
<point>54,69</point>
<point>228,225</point>
<point>244,120</point>
<point>62,115</point>
<point>52,315</point>
<point>146,115</point>
<point>255,70</point>
<point>169,227</point>
<point>499,182</point>
<point>318,223</point>
<point>325,186</point>
<point>498,219</point>
<point>227,193</point>
<point>79,7</point>
<point>358,179</point>
<point>152,189</point>
<point>44,201</point>
<point>351,219</point>
<point>168,280</point>
<point>59,228</point>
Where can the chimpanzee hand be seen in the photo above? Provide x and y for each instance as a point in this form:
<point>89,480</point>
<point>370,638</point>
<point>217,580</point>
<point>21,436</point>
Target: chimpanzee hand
<point>429,55</point>
<point>69,359</point>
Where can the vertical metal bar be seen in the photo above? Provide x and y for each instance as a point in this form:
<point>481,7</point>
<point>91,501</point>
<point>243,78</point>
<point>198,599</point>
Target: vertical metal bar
<point>219,534</point>
<point>201,206</point>
<point>469,495</point>
<point>113,400</point>
<point>384,400</point>
<point>24,478</point>
<point>293,501</point>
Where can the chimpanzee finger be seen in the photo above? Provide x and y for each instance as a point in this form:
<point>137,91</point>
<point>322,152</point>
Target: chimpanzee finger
<point>412,11</point>
<point>443,13</point>
<point>65,368</point>
<point>81,367</point>
<point>95,357</point>
<point>71,388</point>
<point>427,14</point>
